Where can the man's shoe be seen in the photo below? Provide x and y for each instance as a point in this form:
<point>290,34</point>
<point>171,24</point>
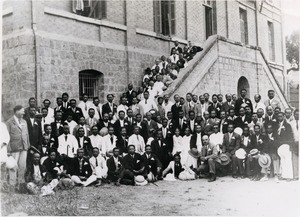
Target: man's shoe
<point>234,176</point>
<point>212,178</point>
<point>276,179</point>
<point>243,176</point>
<point>99,183</point>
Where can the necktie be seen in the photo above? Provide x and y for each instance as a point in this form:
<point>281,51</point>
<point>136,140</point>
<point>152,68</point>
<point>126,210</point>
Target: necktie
<point>20,121</point>
<point>85,106</point>
<point>66,137</point>
<point>256,105</point>
<point>145,101</point>
<point>96,162</point>
<point>297,126</point>
<point>137,137</point>
<point>111,140</point>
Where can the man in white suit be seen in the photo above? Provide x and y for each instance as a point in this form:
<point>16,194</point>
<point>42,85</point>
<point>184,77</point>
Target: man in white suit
<point>67,143</point>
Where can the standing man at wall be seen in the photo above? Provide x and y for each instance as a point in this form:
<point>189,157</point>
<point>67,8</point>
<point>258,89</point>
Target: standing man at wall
<point>18,145</point>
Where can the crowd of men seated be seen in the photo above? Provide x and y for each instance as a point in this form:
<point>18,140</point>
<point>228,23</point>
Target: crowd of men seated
<point>146,137</point>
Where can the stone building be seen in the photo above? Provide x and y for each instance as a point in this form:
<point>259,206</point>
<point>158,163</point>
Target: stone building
<point>49,48</point>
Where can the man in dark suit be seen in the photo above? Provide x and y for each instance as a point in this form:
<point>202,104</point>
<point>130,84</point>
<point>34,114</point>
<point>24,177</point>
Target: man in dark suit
<point>130,120</point>
<point>161,149</point>
<point>196,139</point>
<point>270,118</point>
<point>133,165</point>
<point>142,125</point>
<point>65,99</point>
<point>130,94</point>
<point>152,163</point>
<point>151,125</point>
<point>180,123</point>
<point>109,106</point>
<point>231,143</point>
<point>215,105</point>
<point>228,104</point>
<point>84,142</point>
<point>104,122</point>
<point>60,107</point>
<point>57,125</point>
<point>34,129</point>
<point>74,111</point>
<point>122,122</point>
<point>122,141</point>
<point>284,130</point>
<point>176,48</point>
<point>80,170</point>
<point>32,104</point>
<point>176,107</point>
<point>191,122</point>
<point>242,101</point>
<point>272,146</point>
<point>242,120</point>
<point>114,165</point>
<point>167,134</point>
<point>223,124</point>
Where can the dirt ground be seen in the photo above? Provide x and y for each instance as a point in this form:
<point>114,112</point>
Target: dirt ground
<point>226,196</point>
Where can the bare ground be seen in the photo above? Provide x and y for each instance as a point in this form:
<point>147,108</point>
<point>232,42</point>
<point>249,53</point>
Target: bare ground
<point>226,196</point>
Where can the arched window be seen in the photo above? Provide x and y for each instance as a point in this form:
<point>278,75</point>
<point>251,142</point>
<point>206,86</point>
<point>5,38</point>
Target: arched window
<point>243,84</point>
<point>90,82</point>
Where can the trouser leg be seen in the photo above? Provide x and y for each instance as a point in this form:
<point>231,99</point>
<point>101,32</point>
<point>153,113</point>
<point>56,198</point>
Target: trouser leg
<point>295,161</point>
<point>212,166</point>
<point>90,180</point>
<point>22,166</point>
<point>234,164</point>
<point>276,163</point>
<point>76,179</point>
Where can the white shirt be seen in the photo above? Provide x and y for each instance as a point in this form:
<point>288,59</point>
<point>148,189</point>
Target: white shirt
<point>257,106</point>
<point>174,58</point>
<point>199,141</point>
<point>145,107</point>
<point>72,125</point>
<point>177,144</point>
<point>46,120</point>
<point>138,142</point>
<point>216,139</point>
<point>246,141</point>
<point>101,165</point>
<point>192,125</point>
<point>32,121</point>
<point>98,109</point>
<point>107,146</point>
<point>158,87</point>
<point>50,113</point>
<point>68,147</point>
<point>96,141</point>
<point>85,108</point>
<point>167,107</point>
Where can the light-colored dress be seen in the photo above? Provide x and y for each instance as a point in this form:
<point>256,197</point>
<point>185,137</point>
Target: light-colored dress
<point>177,144</point>
<point>185,148</point>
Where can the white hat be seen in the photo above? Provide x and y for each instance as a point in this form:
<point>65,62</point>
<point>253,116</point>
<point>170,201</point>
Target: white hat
<point>240,154</point>
<point>238,130</point>
<point>151,177</point>
<point>284,151</point>
<point>140,180</point>
<point>11,163</point>
<point>264,160</point>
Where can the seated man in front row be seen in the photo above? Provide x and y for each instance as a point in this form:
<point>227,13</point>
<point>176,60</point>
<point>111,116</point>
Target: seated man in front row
<point>98,165</point>
<point>79,169</point>
<point>37,178</point>
<point>133,165</point>
<point>209,158</point>
<point>114,165</point>
<point>153,165</point>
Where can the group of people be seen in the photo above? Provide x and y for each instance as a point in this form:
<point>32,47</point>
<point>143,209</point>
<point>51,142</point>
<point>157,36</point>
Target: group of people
<point>146,137</point>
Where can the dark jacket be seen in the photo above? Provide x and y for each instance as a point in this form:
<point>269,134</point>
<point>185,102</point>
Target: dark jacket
<point>74,169</point>
<point>233,145</point>
<point>87,146</point>
<point>152,163</point>
<point>106,108</point>
<point>50,165</point>
<point>35,132</point>
<point>117,127</point>
<point>133,163</point>
<point>29,172</point>
<point>239,102</point>
<point>76,115</point>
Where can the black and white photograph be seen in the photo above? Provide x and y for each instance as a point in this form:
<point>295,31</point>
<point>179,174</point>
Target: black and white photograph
<point>149,108</point>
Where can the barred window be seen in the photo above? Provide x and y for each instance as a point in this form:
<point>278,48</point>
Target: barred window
<point>90,83</point>
<point>208,21</point>
<point>164,17</point>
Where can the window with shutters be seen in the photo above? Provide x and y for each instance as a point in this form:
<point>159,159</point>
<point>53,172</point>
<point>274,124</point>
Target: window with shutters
<point>90,82</point>
<point>271,41</point>
<point>243,26</point>
<point>90,8</point>
<point>164,17</point>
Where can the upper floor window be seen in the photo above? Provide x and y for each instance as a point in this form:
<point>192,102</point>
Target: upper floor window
<point>90,8</point>
<point>243,26</point>
<point>208,20</point>
<point>164,17</point>
<point>271,41</point>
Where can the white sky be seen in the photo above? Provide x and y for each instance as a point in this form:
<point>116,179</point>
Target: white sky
<point>291,12</point>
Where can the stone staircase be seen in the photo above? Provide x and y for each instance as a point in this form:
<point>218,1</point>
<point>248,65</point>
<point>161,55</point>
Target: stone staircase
<point>218,67</point>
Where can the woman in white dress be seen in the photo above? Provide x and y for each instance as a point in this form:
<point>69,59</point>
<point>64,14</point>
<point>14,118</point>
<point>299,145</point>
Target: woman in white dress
<point>185,145</point>
<point>177,142</point>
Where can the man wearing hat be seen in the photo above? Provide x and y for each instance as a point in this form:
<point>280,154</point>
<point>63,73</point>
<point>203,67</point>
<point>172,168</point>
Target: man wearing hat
<point>209,157</point>
<point>231,143</point>
<point>18,145</point>
<point>152,164</point>
<point>133,165</point>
